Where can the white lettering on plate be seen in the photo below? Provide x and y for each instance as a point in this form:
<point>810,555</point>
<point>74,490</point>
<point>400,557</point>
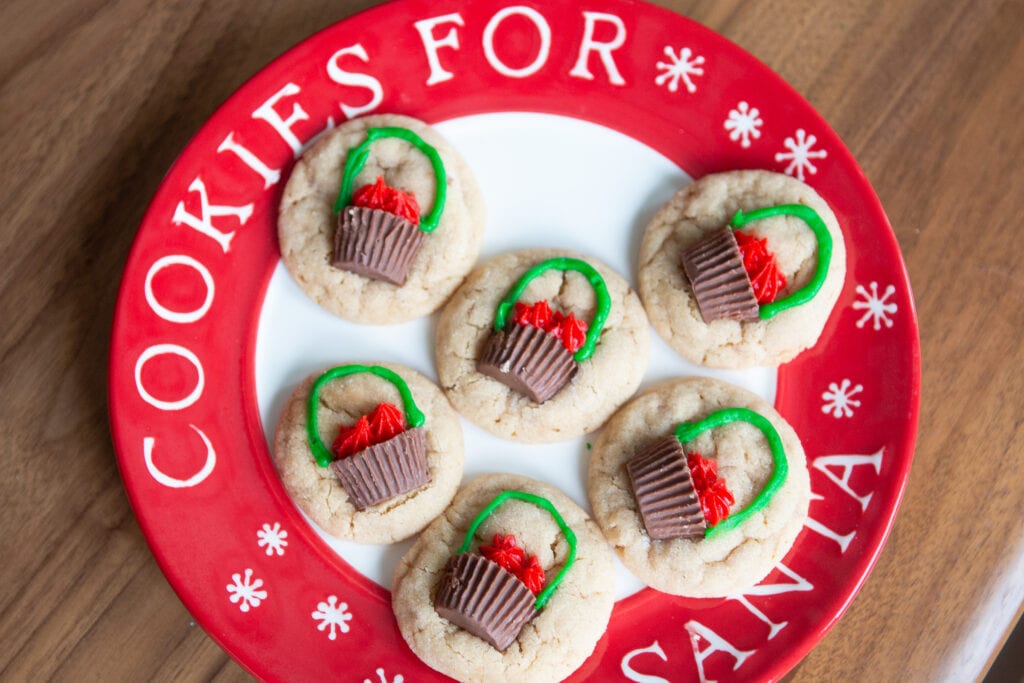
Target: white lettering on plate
<point>178,316</point>
<point>798,584</point>
<point>203,223</point>
<point>603,49</point>
<point>355,79</point>
<point>846,463</point>
<point>283,127</point>
<point>172,482</point>
<point>431,44</point>
<point>174,350</point>
<point>632,674</point>
<point>543,29</point>
<point>814,525</point>
<point>270,175</point>
<point>716,643</point>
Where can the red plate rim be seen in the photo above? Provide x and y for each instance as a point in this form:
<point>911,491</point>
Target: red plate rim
<point>789,387</point>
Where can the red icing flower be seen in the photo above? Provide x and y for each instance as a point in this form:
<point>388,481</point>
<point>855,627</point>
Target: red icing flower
<point>715,497</point>
<point>353,439</point>
<point>569,329</point>
<point>703,471</point>
<point>380,196</point>
<point>574,333</point>
<point>554,326</point>
<point>531,574</point>
<point>761,267</point>
<point>505,552</point>
<point>715,502</point>
<point>536,315</point>
<point>386,421</point>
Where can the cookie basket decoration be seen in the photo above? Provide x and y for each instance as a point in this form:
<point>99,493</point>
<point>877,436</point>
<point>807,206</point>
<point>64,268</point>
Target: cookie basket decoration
<point>735,277</point>
<point>384,454</point>
<point>536,350</point>
<point>380,230</point>
<point>681,496</point>
<point>493,594</point>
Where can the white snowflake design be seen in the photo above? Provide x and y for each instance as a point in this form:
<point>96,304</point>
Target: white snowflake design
<point>838,399</point>
<point>744,122</point>
<point>272,538</point>
<point>399,678</point>
<point>245,592</point>
<point>801,151</point>
<point>679,68</point>
<point>877,308</point>
<point>332,614</point>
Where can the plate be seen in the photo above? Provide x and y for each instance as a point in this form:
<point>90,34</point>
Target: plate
<point>579,122</point>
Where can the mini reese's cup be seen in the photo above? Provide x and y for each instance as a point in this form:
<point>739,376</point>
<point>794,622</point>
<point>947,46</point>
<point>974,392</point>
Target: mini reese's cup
<point>530,360</point>
<point>483,598</point>
<point>375,243</point>
<point>381,471</point>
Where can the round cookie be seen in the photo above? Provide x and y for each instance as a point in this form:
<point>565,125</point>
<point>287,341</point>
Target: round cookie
<point>307,223</point>
<point>318,491</point>
<point>733,560</point>
<point>603,382</point>
<point>563,633</point>
<point>708,205</point>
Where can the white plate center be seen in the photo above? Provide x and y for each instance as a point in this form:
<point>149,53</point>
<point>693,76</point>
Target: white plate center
<point>548,181</point>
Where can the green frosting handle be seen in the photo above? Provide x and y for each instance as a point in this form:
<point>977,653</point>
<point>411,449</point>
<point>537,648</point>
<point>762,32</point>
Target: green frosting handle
<point>688,431</point>
<point>413,416</point>
<point>821,234</point>
<point>604,301</point>
<point>356,158</point>
<point>545,504</point>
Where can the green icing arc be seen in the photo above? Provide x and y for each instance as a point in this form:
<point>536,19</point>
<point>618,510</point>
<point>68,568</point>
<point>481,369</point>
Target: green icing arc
<point>688,431</point>
<point>604,301</point>
<point>821,235</point>
<point>356,158</point>
<point>413,416</point>
<point>544,504</point>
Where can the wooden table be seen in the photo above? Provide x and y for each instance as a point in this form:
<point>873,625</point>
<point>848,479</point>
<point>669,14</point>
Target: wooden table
<point>96,100</point>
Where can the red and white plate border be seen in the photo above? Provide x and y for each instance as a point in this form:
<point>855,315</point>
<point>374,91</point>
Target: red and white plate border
<point>183,407</point>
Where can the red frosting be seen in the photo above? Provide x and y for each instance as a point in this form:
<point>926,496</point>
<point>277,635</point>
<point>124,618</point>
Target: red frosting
<point>380,196</point>
<point>508,555</point>
<point>386,421</point>
<point>505,552</point>
<point>569,329</point>
<point>353,439</point>
<point>383,423</point>
<point>761,267</point>
<point>715,497</point>
<point>531,574</point>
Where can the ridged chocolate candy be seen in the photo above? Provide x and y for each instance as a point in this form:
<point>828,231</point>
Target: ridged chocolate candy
<point>664,491</point>
<point>376,244</point>
<point>479,596</point>
<point>529,360</point>
<point>720,284</point>
<point>385,470</point>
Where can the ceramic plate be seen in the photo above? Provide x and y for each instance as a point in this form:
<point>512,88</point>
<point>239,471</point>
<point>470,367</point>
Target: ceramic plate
<point>579,121</point>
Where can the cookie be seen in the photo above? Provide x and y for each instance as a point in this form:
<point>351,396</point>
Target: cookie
<point>742,543</point>
<point>402,459</point>
<point>480,359</point>
<point>349,258</point>
<point>692,232</point>
<point>555,639</point>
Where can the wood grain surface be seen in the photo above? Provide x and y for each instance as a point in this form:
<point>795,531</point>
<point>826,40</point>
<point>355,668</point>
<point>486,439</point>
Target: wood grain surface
<point>97,97</point>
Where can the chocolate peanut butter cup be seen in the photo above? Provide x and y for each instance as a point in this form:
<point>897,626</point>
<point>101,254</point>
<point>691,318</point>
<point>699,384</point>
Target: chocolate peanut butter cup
<point>528,360</point>
<point>376,244</point>
<point>385,470</point>
<point>479,596</point>
<point>721,286</point>
<point>669,504</point>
